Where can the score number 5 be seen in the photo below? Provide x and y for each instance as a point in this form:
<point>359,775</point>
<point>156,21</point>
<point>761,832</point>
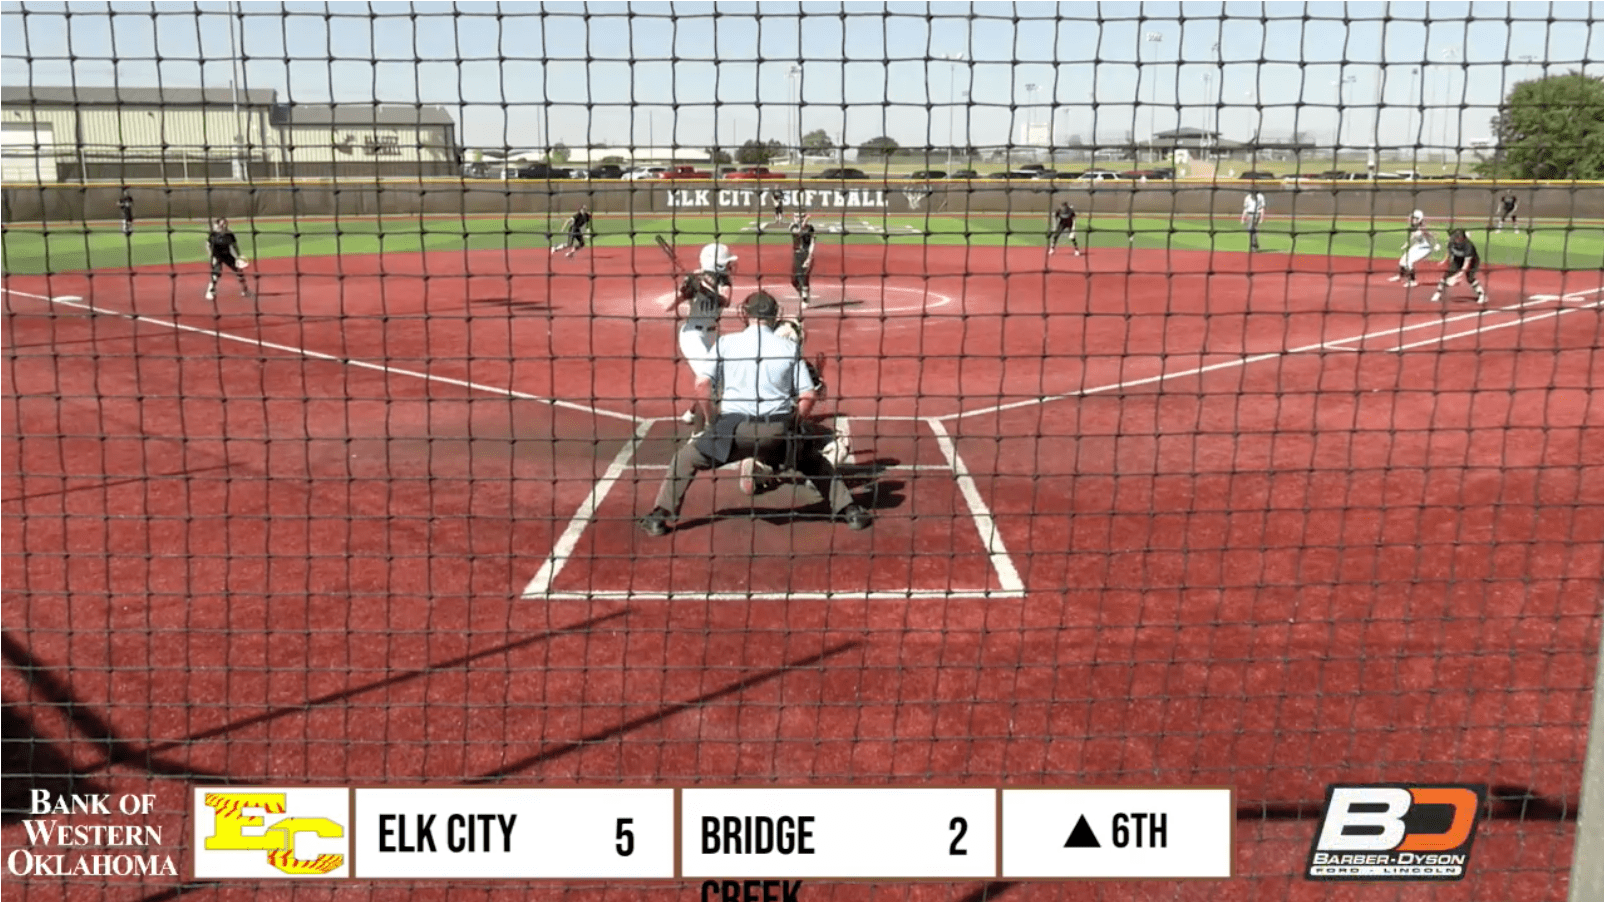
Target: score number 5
<point>626,837</point>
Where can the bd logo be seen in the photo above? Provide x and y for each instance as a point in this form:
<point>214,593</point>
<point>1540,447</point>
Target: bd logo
<point>1396,832</point>
<point>254,833</point>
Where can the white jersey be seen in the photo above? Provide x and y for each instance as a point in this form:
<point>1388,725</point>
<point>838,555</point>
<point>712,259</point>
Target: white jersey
<point>1253,205</point>
<point>1420,239</point>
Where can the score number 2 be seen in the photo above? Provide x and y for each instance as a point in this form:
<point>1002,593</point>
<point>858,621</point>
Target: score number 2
<point>961,827</point>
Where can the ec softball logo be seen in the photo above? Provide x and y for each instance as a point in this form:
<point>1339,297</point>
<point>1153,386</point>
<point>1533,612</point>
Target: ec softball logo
<point>1396,832</point>
<point>239,833</point>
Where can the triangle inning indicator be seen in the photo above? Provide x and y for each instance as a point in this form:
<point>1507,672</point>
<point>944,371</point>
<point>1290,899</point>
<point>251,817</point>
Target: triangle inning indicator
<point>1082,836</point>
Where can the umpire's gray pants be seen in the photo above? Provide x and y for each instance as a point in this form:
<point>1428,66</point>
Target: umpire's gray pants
<point>771,444</point>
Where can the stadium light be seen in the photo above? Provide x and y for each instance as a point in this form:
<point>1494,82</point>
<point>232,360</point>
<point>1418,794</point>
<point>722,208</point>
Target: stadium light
<point>952,60</point>
<point>1153,37</point>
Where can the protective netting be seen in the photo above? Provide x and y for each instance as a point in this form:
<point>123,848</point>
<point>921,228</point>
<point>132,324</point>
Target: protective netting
<point>1177,449</point>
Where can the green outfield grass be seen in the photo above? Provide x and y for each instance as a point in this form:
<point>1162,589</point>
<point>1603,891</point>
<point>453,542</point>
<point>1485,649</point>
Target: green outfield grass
<point>1554,245</point>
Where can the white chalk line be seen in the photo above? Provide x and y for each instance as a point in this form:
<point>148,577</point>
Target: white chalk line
<point>1335,344</point>
<point>540,585</point>
<point>79,303</point>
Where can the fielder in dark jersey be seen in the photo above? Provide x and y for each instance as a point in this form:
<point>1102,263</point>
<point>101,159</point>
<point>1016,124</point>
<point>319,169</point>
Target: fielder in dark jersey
<point>224,250</point>
<point>578,225</point>
<point>1063,224</point>
<point>1463,260</point>
<point>125,206</point>
<point>803,241</point>
<point>1506,211</point>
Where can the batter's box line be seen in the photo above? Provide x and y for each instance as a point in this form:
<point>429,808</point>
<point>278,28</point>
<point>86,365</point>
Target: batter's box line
<point>1008,580</point>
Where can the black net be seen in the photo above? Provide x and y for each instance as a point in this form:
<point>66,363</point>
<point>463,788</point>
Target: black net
<point>1182,400</point>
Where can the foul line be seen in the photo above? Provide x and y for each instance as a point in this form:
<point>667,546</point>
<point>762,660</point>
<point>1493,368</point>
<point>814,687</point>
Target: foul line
<point>1007,575</point>
<point>1517,321</point>
<point>540,585</point>
<point>1330,344</point>
<point>78,302</point>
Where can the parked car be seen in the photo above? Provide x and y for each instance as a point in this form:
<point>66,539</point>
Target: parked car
<point>755,172</point>
<point>644,172</point>
<point>1013,174</point>
<point>927,174</point>
<point>684,172</point>
<point>1045,174</point>
<point>843,174</point>
<point>480,170</point>
<point>543,171</point>
<point>965,174</point>
<point>1099,175</point>
<point>1257,174</point>
<point>607,171</point>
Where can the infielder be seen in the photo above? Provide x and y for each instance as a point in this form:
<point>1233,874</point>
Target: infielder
<point>1063,224</point>
<point>1252,215</point>
<point>1417,247</point>
<point>578,224</point>
<point>1506,211</point>
<point>224,250</point>
<point>803,241</point>
<point>125,206</point>
<point>707,292</point>
<point>1463,260</point>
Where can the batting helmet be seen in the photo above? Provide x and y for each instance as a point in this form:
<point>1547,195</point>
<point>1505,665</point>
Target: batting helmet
<point>716,258</point>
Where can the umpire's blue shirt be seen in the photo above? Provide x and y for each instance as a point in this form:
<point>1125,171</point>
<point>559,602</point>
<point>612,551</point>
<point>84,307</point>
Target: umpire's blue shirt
<point>759,373</point>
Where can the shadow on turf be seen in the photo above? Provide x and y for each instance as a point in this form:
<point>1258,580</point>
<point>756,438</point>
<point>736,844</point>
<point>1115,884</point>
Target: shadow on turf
<point>515,304</point>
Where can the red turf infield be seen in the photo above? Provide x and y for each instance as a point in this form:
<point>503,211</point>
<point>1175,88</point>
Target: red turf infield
<point>1308,567</point>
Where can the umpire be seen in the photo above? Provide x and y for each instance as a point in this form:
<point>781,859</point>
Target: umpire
<point>765,393</point>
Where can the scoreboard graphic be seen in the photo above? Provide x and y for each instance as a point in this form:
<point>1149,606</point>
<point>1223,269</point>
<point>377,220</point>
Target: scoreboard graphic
<point>833,833</point>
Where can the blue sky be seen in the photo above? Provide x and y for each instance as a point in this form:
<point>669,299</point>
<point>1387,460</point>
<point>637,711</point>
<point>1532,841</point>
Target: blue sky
<point>696,74</point>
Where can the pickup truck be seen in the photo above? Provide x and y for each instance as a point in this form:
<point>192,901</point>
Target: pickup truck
<point>684,172</point>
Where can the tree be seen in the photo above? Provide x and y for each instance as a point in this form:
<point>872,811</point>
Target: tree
<point>878,147</point>
<point>1550,128</point>
<point>759,153</point>
<point>817,143</point>
<point>718,156</point>
<point>559,153</point>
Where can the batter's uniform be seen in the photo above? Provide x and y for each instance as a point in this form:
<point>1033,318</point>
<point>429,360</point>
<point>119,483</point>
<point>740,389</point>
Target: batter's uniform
<point>760,381</point>
<point>1252,215</point>
<point>779,205</point>
<point>803,241</point>
<point>704,293</point>
<point>1418,247</point>
<point>125,206</point>
<point>1506,212</point>
<point>1063,225</point>
<point>1463,261</point>
<point>224,250</point>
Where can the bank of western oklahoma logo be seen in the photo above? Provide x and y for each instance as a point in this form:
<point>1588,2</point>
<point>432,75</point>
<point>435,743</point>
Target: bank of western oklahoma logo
<point>1402,831</point>
<point>257,832</point>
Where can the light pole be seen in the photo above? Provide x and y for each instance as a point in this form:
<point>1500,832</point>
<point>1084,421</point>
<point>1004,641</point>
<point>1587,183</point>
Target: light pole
<point>1030,114</point>
<point>1153,37</point>
<point>1342,109</point>
<point>952,59</point>
<point>796,109</point>
<point>1449,55</point>
<point>1415,103</point>
<point>236,164</point>
<point>1214,102</point>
